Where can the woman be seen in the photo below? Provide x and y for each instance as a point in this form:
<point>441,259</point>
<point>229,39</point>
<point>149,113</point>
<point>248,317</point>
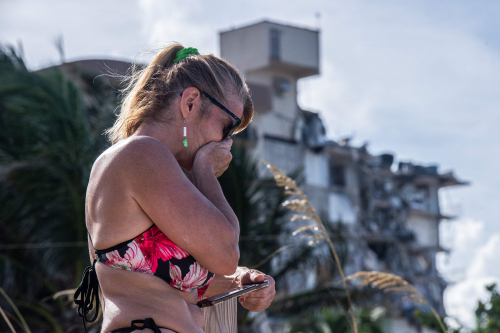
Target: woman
<point>160,239</point>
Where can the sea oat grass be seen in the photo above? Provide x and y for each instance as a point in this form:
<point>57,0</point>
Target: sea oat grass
<point>14,307</point>
<point>7,320</point>
<point>305,211</point>
<point>388,282</point>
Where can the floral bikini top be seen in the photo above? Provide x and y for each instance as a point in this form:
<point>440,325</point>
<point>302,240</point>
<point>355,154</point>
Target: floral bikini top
<point>152,252</point>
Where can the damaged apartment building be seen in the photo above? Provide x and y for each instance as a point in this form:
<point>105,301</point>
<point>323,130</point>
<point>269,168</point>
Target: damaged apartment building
<point>390,213</point>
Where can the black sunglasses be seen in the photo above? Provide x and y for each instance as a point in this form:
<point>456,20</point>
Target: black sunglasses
<point>227,132</point>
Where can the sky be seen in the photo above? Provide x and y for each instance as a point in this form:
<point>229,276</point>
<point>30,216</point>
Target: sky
<point>420,79</point>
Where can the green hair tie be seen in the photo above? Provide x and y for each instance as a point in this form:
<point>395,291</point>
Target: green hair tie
<point>184,53</point>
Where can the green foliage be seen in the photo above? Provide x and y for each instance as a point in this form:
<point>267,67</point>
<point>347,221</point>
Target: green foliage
<point>307,323</point>
<point>331,320</point>
<point>488,313</point>
<point>368,321</point>
<point>50,135</point>
<point>428,320</point>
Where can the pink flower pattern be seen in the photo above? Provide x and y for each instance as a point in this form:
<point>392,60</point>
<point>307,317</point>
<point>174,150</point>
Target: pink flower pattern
<point>143,254</point>
<point>155,245</point>
<point>194,279</point>
<point>115,260</point>
<point>132,261</point>
<point>201,291</point>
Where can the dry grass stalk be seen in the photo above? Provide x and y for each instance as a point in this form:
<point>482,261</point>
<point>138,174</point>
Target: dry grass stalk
<point>7,320</point>
<point>69,294</point>
<point>389,282</point>
<point>14,307</point>
<point>305,211</point>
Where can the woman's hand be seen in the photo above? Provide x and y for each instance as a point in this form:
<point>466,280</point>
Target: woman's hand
<point>214,155</point>
<point>260,299</point>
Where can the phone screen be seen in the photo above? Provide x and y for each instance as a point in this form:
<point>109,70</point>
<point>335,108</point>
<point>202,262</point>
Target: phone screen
<point>236,292</point>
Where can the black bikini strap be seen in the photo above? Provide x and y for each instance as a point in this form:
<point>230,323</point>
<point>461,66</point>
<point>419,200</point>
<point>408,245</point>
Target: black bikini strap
<point>88,292</point>
<point>147,323</point>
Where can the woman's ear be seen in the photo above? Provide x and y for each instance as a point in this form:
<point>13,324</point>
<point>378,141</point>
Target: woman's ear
<point>190,101</point>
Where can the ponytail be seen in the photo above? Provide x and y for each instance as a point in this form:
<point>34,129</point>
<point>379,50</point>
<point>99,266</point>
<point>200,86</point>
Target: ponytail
<point>150,91</point>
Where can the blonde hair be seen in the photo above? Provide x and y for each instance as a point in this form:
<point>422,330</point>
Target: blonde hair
<point>151,90</point>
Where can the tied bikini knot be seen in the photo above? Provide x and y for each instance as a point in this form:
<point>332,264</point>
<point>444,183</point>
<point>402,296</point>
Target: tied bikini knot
<point>86,294</point>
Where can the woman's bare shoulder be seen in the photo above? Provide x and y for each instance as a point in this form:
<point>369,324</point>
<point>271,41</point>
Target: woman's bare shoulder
<point>134,147</point>
<point>133,162</point>
<point>135,151</point>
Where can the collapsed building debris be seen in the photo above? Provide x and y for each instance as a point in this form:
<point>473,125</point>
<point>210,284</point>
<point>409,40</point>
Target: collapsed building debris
<point>389,216</point>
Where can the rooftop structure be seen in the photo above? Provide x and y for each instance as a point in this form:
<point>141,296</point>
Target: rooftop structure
<point>272,57</point>
<point>390,217</point>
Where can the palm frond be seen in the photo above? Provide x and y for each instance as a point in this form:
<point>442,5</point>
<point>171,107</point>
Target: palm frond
<point>50,135</point>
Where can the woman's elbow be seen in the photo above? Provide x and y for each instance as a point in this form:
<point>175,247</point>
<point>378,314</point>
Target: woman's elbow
<point>230,262</point>
<point>233,264</point>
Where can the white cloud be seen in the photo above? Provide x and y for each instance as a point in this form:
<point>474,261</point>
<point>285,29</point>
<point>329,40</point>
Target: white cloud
<point>486,263</point>
<point>472,264</point>
<point>463,237</point>
<point>461,299</point>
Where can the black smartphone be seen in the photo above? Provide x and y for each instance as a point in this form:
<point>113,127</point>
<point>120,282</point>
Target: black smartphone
<point>236,292</point>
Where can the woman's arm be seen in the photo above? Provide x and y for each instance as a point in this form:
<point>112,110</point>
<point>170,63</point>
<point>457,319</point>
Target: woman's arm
<point>222,283</point>
<point>196,218</point>
<point>254,301</point>
<point>205,181</point>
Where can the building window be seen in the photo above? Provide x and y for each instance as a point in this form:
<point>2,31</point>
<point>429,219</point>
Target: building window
<point>420,197</point>
<point>281,86</point>
<point>337,175</point>
<point>275,44</point>
<point>380,249</point>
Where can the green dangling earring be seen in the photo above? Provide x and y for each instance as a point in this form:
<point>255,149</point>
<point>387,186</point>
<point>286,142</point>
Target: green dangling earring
<point>185,142</point>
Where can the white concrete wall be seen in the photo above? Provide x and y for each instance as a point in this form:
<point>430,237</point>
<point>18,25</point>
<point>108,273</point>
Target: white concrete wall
<point>274,124</point>
<point>433,199</point>
<point>249,48</point>
<point>286,156</point>
<point>425,229</point>
<point>352,184</point>
<point>340,208</point>
<point>317,169</point>
<point>285,105</point>
<point>246,48</point>
<point>299,46</point>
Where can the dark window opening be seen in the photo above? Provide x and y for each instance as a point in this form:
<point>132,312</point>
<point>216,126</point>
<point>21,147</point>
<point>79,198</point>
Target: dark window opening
<point>337,175</point>
<point>380,249</point>
<point>382,216</point>
<point>365,200</point>
<point>281,86</point>
<point>378,189</point>
<point>424,189</point>
<point>275,44</point>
